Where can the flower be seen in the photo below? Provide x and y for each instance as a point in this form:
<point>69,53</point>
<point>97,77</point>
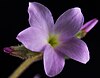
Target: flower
<point>57,40</point>
<point>89,25</point>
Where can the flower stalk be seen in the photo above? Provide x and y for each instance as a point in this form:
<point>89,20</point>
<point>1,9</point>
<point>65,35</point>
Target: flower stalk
<point>25,65</point>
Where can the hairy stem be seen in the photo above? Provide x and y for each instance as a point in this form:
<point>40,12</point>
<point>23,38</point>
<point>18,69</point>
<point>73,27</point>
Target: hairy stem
<point>25,65</point>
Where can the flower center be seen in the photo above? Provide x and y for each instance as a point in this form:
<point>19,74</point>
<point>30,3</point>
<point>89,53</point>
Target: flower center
<point>53,40</point>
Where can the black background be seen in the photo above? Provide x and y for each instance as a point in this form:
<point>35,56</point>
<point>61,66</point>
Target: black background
<point>14,18</point>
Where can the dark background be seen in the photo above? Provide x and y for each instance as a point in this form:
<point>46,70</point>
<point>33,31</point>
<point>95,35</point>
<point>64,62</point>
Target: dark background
<point>14,18</point>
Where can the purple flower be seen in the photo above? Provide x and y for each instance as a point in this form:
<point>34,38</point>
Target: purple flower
<point>89,25</point>
<point>55,40</point>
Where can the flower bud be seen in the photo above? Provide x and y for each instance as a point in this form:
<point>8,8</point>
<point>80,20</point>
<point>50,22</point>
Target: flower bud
<point>89,25</point>
<point>8,50</point>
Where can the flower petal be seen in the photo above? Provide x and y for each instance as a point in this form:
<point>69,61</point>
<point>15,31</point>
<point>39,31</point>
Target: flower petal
<point>89,25</point>
<point>75,49</point>
<point>53,61</point>
<point>40,15</point>
<point>33,38</point>
<point>70,22</point>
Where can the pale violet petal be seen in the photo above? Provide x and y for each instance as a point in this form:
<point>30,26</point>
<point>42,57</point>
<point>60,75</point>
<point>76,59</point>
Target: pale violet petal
<point>75,49</point>
<point>33,38</point>
<point>41,16</point>
<point>69,23</point>
<point>53,61</point>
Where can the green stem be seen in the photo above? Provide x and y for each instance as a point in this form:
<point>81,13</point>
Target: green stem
<point>25,65</point>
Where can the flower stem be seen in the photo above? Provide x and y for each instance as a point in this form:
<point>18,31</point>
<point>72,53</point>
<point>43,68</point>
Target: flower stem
<point>25,65</point>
